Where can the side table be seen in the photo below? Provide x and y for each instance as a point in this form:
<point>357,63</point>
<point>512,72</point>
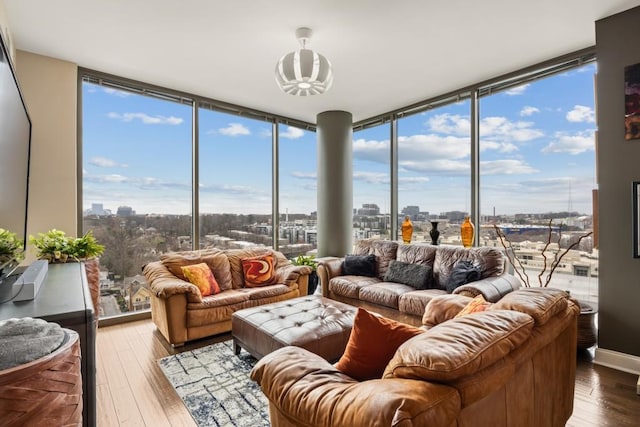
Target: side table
<point>587,331</point>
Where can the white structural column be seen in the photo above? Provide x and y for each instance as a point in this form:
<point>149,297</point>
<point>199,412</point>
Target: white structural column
<point>335,183</point>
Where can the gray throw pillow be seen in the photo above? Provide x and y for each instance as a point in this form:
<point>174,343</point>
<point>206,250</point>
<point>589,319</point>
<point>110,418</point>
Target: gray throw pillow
<point>415,275</point>
<point>463,272</point>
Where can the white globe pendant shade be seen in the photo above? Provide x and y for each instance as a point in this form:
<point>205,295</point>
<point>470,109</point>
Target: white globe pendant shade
<point>304,72</point>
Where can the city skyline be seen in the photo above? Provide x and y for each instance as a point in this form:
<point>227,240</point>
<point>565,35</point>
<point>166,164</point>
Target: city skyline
<point>137,152</point>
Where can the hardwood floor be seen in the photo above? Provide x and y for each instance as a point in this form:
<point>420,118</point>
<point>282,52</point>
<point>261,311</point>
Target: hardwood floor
<point>132,391</point>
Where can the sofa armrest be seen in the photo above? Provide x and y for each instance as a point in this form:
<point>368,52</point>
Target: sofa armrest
<point>328,267</point>
<point>306,390</point>
<point>492,288</point>
<point>290,274</point>
<point>163,284</point>
<point>442,308</point>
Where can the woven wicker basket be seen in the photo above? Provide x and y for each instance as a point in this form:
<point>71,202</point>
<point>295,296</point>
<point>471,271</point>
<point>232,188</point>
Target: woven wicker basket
<point>45,392</point>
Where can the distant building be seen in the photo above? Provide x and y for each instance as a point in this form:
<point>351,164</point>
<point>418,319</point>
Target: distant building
<point>125,211</point>
<point>412,211</point>
<point>369,209</point>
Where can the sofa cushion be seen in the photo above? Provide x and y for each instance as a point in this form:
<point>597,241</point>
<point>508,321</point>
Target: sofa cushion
<point>415,302</point>
<point>265,291</point>
<point>359,265</point>
<point>442,308</point>
<point>372,343</point>
<point>540,303</point>
<point>417,253</point>
<point>258,271</point>
<point>415,275</point>
<point>214,258</point>
<point>384,250</point>
<point>490,260</point>
<point>460,347</point>
<point>349,286</point>
<point>384,293</point>
<point>201,276</point>
<point>462,273</point>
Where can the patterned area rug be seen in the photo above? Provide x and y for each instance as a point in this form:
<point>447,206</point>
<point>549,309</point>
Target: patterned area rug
<point>214,385</point>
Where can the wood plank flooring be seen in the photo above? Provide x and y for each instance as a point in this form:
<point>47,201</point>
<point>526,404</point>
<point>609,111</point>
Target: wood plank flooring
<point>132,391</point>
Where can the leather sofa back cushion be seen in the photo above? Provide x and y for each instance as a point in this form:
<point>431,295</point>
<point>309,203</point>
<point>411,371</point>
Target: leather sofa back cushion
<point>384,250</point>
<point>214,258</point>
<point>460,347</point>
<point>490,260</point>
<point>540,303</point>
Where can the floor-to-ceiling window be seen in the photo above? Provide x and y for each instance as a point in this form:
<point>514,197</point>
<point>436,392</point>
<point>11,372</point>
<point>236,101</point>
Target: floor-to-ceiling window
<point>371,183</point>
<point>434,152</point>
<point>537,167</point>
<point>297,161</point>
<point>234,181</point>
<point>150,156</point>
<point>136,181</point>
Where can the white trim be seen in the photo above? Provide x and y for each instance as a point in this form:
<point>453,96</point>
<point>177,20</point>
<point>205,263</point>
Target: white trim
<point>616,360</point>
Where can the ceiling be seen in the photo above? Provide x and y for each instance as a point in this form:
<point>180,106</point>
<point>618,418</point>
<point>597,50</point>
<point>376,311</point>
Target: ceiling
<point>385,54</point>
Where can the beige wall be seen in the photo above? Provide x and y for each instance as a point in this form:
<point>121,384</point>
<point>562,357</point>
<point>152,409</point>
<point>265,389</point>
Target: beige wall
<point>617,45</point>
<point>6,30</point>
<point>49,87</point>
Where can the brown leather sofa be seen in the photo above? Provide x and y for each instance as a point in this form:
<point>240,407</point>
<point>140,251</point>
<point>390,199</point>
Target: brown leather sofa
<point>512,365</point>
<point>182,314</point>
<point>402,302</point>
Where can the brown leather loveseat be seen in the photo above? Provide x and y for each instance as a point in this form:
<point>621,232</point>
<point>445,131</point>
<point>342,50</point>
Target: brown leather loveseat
<point>182,314</point>
<point>511,365</point>
<point>405,303</point>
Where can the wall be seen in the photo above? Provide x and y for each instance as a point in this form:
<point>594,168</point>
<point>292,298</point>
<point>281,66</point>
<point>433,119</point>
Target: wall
<point>6,31</point>
<point>617,45</point>
<point>49,87</point>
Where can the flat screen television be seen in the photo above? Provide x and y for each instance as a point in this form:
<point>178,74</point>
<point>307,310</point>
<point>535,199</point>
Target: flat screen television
<point>15,145</point>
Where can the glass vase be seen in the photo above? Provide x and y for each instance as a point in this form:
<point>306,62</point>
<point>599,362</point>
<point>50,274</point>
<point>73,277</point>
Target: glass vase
<point>467,232</point>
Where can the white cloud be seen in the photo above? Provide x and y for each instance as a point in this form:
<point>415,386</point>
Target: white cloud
<point>413,179</point>
<point>581,113</point>
<point>304,175</point>
<point>506,167</point>
<point>103,162</point>
<point>146,119</point>
<point>528,111</point>
<point>503,129</point>
<point>235,129</point>
<point>113,178</point>
<point>499,128</point>
<point>371,177</point>
<point>292,133</point>
<point>572,144</point>
<point>518,90</point>
<point>116,92</point>
<point>450,124</point>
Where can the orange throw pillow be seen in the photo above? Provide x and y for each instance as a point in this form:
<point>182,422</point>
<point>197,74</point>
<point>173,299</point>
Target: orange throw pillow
<point>258,271</point>
<point>372,343</point>
<point>475,305</point>
<point>201,276</point>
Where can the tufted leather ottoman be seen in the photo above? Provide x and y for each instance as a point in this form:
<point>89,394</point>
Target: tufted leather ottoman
<point>318,324</point>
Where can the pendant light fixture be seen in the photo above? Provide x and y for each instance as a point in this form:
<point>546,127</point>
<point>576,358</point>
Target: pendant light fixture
<point>304,72</point>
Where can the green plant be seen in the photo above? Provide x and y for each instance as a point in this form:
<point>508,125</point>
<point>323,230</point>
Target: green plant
<point>10,245</point>
<point>307,260</point>
<point>56,246</point>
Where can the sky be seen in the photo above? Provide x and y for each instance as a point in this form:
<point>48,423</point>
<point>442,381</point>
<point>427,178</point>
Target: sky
<point>537,155</point>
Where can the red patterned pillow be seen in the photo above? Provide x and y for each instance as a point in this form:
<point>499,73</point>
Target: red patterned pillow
<point>475,305</point>
<point>258,271</point>
<point>201,276</point>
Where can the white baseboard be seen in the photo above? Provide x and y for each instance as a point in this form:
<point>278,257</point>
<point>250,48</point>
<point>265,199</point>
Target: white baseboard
<point>616,360</point>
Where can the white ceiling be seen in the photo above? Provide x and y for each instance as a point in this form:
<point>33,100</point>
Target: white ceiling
<point>385,54</point>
